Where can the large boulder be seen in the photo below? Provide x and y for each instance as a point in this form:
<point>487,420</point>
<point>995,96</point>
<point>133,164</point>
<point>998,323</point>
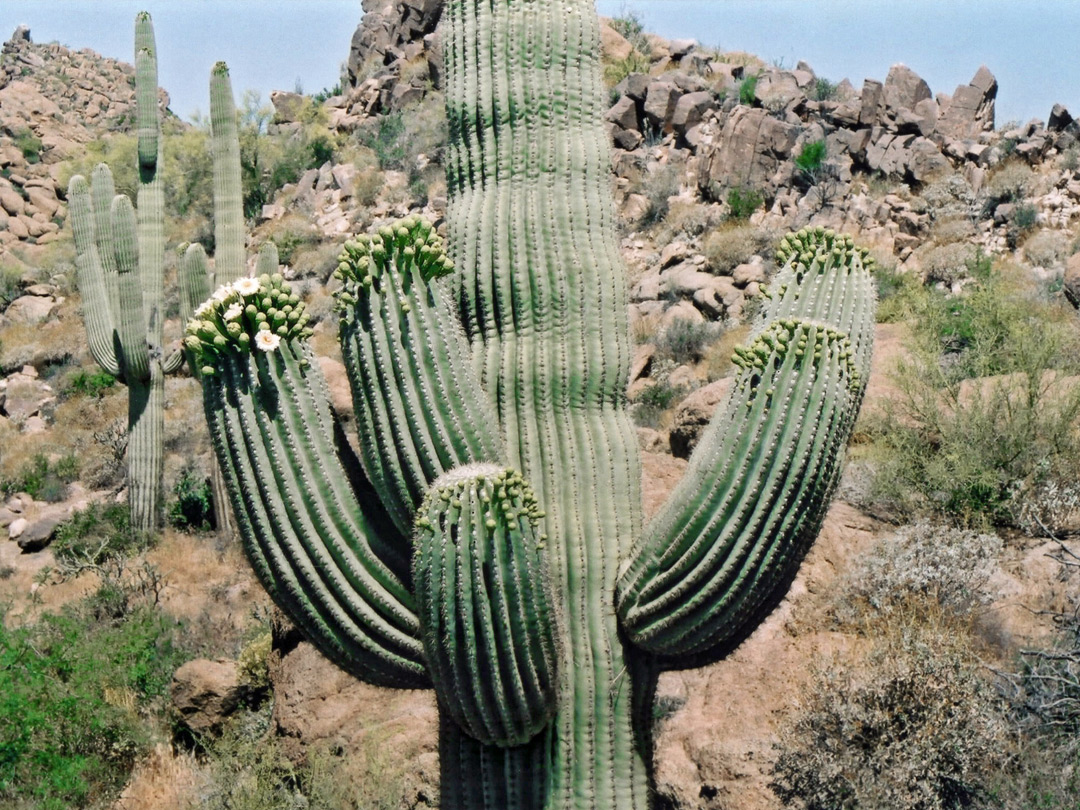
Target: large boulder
<point>970,111</point>
<point>206,693</point>
<point>749,153</point>
<point>693,415</point>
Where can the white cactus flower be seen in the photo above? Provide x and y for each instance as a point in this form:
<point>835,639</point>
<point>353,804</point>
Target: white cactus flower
<point>246,285</point>
<point>234,311</point>
<point>267,341</point>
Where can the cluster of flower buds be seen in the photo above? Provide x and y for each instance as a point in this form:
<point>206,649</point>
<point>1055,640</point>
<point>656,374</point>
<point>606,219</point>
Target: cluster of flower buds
<point>820,245</point>
<point>801,337</point>
<point>502,496</point>
<point>408,246</point>
<point>248,314</point>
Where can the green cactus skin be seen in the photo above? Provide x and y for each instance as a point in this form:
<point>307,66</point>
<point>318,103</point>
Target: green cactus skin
<point>229,231</point>
<point>489,624</point>
<point>120,258</point>
<point>533,390</point>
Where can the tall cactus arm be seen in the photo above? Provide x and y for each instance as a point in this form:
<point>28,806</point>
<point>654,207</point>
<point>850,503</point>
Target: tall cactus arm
<point>320,556</point>
<point>420,410</point>
<point>131,328</point>
<point>194,280</point>
<point>151,230</point>
<point>146,106</point>
<point>486,608</point>
<point>229,234</point>
<point>267,261</point>
<point>100,328</point>
<point>722,552</point>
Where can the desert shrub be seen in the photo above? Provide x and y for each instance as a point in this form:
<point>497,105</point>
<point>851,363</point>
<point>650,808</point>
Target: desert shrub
<point>248,770</point>
<point>748,89</point>
<point>947,263</point>
<point>43,477</point>
<point>731,245</point>
<point>1047,248</point>
<point>192,506</point>
<point>615,72</point>
<point>75,697</point>
<point>985,412</point>
<point>811,160</point>
<point>87,383</point>
<point>630,26</point>
<point>253,662</point>
<point>743,202</point>
<point>1011,183</point>
<point>659,186</point>
<point>896,292</point>
<point>96,533</point>
<point>823,90</point>
<point>10,284</point>
<point>945,566</point>
<point>911,726</point>
<point>650,404</point>
<point>686,341</point>
<point>28,144</point>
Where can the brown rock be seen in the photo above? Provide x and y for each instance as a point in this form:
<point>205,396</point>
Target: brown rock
<point>205,693</point>
<point>693,415</point>
<point>660,103</point>
<point>904,88</point>
<point>971,108</point>
<point>749,151</point>
<point>31,309</point>
<point>624,113</point>
<point>1072,280</point>
<point>613,45</point>
<point>690,110</point>
<point>318,704</point>
<point>11,201</point>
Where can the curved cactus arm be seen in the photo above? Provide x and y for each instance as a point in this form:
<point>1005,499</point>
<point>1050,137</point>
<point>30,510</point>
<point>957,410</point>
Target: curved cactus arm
<point>420,410</point>
<point>722,552</point>
<point>316,551</point>
<point>229,233</point>
<point>486,607</point>
<point>97,312</point>
<point>132,328</point>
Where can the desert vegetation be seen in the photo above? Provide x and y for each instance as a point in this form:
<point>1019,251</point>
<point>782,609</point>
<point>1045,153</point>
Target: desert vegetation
<point>926,655</point>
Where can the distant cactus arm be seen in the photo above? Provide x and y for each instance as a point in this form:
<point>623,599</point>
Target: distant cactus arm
<point>722,552</point>
<point>321,557</point>
<point>132,326</point>
<point>194,280</point>
<point>420,409</point>
<point>97,313</point>
<point>229,232</point>
<point>146,87</point>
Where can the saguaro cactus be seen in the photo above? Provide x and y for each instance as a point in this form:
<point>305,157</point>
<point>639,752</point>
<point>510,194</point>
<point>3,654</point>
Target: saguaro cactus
<point>120,259</point>
<point>488,541</point>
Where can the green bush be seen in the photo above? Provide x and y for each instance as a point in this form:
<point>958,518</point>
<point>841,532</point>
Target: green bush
<point>742,202</point>
<point>685,341</point>
<point>74,697</point>
<point>823,90</point>
<point>88,383</point>
<point>29,145</point>
<point>43,479</point>
<point>654,400</point>
<point>10,284</point>
<point>192,509</point>
<point>748,89</point>
<point>984,413</point>
<point>811,160</point>
<point>93,534</point>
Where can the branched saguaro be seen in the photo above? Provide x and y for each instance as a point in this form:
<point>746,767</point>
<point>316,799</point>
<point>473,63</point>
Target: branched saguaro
<point>488,541</point>
<point>120,259</point>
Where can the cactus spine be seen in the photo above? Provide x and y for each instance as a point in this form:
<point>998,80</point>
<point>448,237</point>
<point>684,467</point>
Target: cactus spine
<point>489,540</point>
<point>120,262</point>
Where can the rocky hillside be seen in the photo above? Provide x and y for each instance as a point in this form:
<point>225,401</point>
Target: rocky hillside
<point>715,155</point>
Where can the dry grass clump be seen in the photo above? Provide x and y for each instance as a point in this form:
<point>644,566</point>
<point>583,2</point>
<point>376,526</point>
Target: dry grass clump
<point>1046,248</point>
<point>946,264</point>
<point>732,245</point>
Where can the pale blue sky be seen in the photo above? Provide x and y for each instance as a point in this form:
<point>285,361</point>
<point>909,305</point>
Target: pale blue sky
<point>1028,44</point>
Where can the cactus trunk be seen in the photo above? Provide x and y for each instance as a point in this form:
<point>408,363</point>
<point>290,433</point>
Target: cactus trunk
<point>502,459</point>
<point>531,227</point>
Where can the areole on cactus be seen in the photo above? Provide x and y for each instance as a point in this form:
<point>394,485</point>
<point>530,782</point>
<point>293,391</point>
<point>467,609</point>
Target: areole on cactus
<point>488,541</point>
